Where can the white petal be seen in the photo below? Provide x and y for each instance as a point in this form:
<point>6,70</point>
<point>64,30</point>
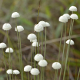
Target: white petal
<point>9,50</point>
<point>74,16</point>
<point>73,8</point>
<point>15,15</point>
<point>3,45</point>
<point>27,68</point>
<point>19,28</point>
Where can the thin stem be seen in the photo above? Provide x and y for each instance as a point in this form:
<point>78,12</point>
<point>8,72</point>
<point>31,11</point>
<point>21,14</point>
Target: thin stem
<point>42,43</point>
<point>78,74</point>
<point>38,42</point>
<point>45,44</point>
<point>34,77</point>
<point>63,52</point>
<point>67,54</point>
<point>21,58</point>
<point>55,75</point>
<point>31,59</point>
<point>15,77</point>
<point>35,61</point>
<point>41,73</point>
<point>28,75</point>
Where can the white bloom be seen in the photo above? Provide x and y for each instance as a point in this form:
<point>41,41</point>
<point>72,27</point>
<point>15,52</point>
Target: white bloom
<point>56,65</point>
<point>67,15</point>
<point>6,26</point>
<point>73,8</point>
<point>74,16</point>
<point>3,45</point>
<point>38,57</point>
<point>44,24</point>
<point>35,44</point>
<point>9,71</point>
<point>27,68</point>
<point>63,19</point>
<point>34,71</point>
<point>9,50</point>
<point>19,28</point>
<point>15,15</point>
<point>38,28</point>
<point>42,63</point>
<point>71,42</point>
<point>32,37</point>
<point>16,72</point>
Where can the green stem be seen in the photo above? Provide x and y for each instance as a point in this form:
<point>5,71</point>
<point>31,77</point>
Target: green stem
<point>55,75</point>
<point>45,44</point>
<point>63,52</point>
<point>42,43</point>
<point>31,59</point>
<point>15,77</point>
<point>67,54</point>
<point>21,58</point>
<point>28,75</point>
<point>35,61</point>
<point>41,73</point>
<point>78,74</point>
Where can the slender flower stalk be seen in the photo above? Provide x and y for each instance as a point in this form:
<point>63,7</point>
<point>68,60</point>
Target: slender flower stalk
<point>21,65</point>
<point>67,54</point>
<point>78,74</point>
<point>63,52</point>
<point>15,77</point>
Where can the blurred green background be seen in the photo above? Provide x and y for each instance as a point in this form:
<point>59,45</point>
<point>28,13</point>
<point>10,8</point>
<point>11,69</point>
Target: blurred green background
<point>50,10</point>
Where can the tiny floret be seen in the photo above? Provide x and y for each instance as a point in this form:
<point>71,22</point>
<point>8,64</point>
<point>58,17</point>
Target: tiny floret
<point>73,8</point>
<point>9,71</point>
<point>42,63</point>
<point>6,26</point>
<point>27,68</point>
<point>32,37</point>
<point>67,15</point>
<point>38,28</point>
<point>74,16</point>
<point>35,44</point>
<point>63,19</point>
<point>9,50</point>
<point>3,45</point>
<point>16,72</point>
<point>56,65</point>
<point>19,28</point>
<point>71,42</point>
<point>34,71</point>
<point>15,15</point>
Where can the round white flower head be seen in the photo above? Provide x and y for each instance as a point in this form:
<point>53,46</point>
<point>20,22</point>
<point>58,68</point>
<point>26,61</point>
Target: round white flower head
<point>15,15</point>
<point>67,15</point>
<point>42,63</point>
<point>74,16</point>
<point>44,24</point>
<point>56,65</point>
<point>63,19</point>
<point>9,71</point>
<point>27,68</point>
<point>6,26</point>
<point>35,44</point>
<point>38,28</point>
<point>19,28</point>
<point>71,42</point>
<point>3,45</point>
<point>16,72</point>
<point>38,57</point>
<point>73,8</point>
<point>34,71</point>
<point>32,37</point>
<point>9,50</point>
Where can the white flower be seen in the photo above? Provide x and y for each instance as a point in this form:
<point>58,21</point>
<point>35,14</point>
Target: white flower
<point>73,8</point>
<point>71,42</point>
<point>15,15</point>
<point>3,45</point>
<point>56,65</point>
<point>9,50</point>
<point>63,19</point>
<point>38,28</point>
<point>9,71</point>
<point>67,15</point>
<point>16,72</point>
<point>27,68</point>
<point>6,26</point>
<point>35,44</point>
<point>38,57</point>
<point>19,28</point>
<point>32,37</point>
<point>42,63</point>
<point>44,24</point>
<point>34,71</point>
<point>74,16</point>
